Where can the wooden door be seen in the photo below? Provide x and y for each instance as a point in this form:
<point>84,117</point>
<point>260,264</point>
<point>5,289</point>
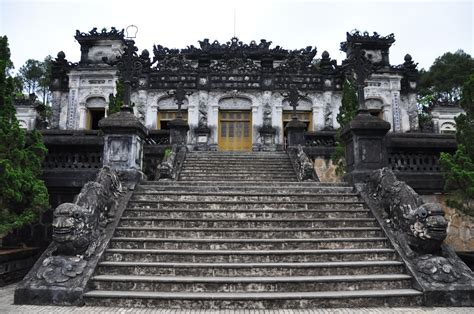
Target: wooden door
<point>235,130</point>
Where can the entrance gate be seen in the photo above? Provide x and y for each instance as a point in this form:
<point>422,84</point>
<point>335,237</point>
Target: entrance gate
<point>235,130</point>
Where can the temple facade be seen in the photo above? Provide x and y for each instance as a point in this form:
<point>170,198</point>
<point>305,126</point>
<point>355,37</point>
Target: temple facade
<point>236,93</point>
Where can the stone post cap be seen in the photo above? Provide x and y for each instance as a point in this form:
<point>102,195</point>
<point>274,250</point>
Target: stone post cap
<point>364,122</point>
<point>179,123</point>
<point>295,124</point>
<point>123,122</point>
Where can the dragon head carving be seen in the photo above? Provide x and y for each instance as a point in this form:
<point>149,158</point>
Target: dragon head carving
<point>73,228</point>
<point>423,224</point>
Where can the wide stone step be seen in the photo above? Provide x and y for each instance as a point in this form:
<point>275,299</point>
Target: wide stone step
<point>250,183</point>
<point>244,205</point>
<point>251,269</point>
<point>239,172</point>
<point>250,284</point>
<point>249,214</point>
<point>255,300</point>
<point>250,158</point>
<point>246,233</point>
<point>256,256</point>
<point>153,221</point>
<point>243,189</point>
<point>237,166</point>
<point>237,177</point>
<point>231,197</point>
<point>246,244</point>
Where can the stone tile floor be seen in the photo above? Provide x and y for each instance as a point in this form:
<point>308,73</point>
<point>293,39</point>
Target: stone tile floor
<point>6,306</point>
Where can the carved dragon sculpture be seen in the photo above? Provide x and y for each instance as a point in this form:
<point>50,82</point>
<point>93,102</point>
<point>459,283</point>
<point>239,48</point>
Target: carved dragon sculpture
<point>78,228</point>
<point>422,226</point>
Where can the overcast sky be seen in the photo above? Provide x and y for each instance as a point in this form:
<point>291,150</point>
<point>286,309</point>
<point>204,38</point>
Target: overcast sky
<point>425,29</point>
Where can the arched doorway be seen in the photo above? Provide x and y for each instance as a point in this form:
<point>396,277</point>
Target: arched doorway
<point>95,112</point>
<point>235,124</point>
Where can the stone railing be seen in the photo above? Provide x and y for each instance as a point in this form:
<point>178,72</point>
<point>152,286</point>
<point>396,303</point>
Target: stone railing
<point>73,160</point>
<point>302,164</point>
<point>74,157</point>
<point>320,143</point>
<point>414,157</point>
<point>158,137</point>
<point>170,167</point>
<point>153,151</point>
<point>81,232</point>
<point>417,231</point>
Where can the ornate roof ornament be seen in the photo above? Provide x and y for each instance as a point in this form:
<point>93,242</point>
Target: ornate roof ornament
<point>60,68</point>
<point>234,49</point>
<point>326,65</point>
<point>298,60</point>
<point>410,74</point>
<point>374,40</point>
<point>235,65</point>
<point>103,34</point>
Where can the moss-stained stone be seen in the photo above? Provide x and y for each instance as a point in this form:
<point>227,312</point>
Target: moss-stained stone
<point>460,227</point>
<point>325,170</point>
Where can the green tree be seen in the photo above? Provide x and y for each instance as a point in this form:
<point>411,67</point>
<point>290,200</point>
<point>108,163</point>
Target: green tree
<point>31,73</point>
<point>45,79</point>
<point>442,83</point>
<point>459,168</point>
<point>347,112</point>
<point>22,195</point>
<point>116,101</point>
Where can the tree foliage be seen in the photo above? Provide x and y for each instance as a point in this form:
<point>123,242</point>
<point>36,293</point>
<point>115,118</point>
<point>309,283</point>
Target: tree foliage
<point>116,101</point>
<point>22,195</point>
<point>459,168</point>
<point>347,112</point>
<point>443,82</point>
<point>36,77</point>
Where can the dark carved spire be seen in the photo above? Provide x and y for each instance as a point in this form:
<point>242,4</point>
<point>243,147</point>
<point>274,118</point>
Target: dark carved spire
<point>60,68</point>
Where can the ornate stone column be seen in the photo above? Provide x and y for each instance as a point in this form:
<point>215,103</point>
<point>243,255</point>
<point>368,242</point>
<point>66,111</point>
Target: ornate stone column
<point>295,128</point>
<point>178,131</point>
<point>123,144</point>
<point>364,142</point>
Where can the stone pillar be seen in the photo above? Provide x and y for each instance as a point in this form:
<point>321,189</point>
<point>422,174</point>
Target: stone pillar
<point>277,118</point>
<point>152,117</point>
<point>295,132</point>
<point>82,116</point>
<point>178,132</point>
<point>365,150</point>
<point>123,144</point>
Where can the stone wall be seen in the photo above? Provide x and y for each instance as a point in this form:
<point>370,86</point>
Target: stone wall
<point>460,227</point>
<point>325,170</point>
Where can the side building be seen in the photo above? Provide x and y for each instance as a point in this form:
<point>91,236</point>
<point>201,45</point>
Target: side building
<point>235,92</point>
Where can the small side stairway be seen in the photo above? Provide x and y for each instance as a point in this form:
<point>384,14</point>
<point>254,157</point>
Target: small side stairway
<point>237,231</point>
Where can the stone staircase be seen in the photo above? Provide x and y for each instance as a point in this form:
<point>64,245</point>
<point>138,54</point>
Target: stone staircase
<point>241,232</point>
<point>238,166</point>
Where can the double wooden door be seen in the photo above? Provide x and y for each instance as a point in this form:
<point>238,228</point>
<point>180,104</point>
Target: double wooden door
<point>235,130</point>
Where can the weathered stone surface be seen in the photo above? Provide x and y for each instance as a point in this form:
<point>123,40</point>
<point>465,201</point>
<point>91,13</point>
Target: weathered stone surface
<point>226,239</point>
<point>170,167</point>
<point>460,226</point>
<point>421,226</point>
<point>365,152</point>
<point>417,231</point>
<point>325,170</point>
<point>302,164</point>
<point>81,231</point>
